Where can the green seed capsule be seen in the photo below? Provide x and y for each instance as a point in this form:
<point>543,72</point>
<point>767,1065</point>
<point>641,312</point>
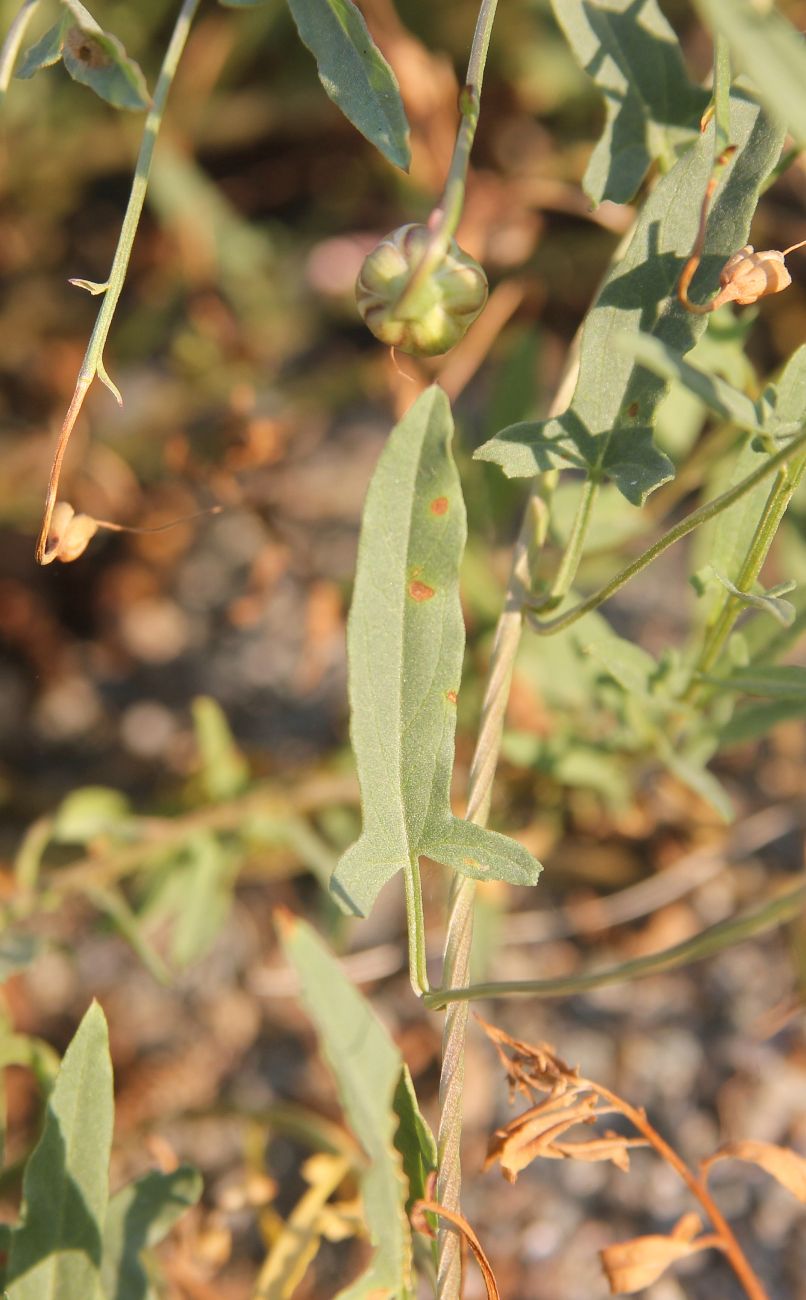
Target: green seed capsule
<point>434,315</point>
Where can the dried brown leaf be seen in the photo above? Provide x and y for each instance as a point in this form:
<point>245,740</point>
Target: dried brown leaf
<point>788,1168</point>
<point>532,1135</point>
<point>632,1265</point>
<point>532,1066</point>
<point>612,1146</point>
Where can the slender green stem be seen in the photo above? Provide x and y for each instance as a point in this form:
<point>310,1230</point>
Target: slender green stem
<point>445,218</point>
<point>12,43</point>
<point>786,481</point>
<point>572,555</point>
<point>92,366</point>
<point>715,939</point>
<point>415,925</point>
<point>549,626</point>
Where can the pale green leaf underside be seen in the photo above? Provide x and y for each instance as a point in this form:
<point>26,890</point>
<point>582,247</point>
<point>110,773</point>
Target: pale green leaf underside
<point>56,1251</point>
<point>366,1066</point>
<point>405,648</point>
<point>605,426</point>
<point>765,46</point>
<point>632,54</point>
<point>354,73</point>
<point>139,1216</point>
<point>91,56</point>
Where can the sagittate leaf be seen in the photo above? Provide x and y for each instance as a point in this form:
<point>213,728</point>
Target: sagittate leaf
<point>366,1066</point>
<point>405,646</point>
<point>56,1251</point>
<point>139,1216</point>
<point>615,398</point>
<point>354,73</point>
<point>769,50</point>
<point>787,1167</point>
<point>652,108</point>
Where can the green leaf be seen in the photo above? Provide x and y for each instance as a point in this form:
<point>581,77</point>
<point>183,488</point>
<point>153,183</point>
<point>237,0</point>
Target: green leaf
<point>614,395</point>
<point>224,770</point>
<point>354,73</point>
<point>98,60</point>
<point>631,666</point>
<point>46,51</point>
<point>652,108</point>
<point>56,1251</point>
<point>195,891</point>
<point>87,813</point>
<point>717,395</point>
<point>405,646</point>
<point>242,4</point>
<point>785,401</point>
<point>787,680</point>
<point>139,1216</point>
<point>697,778</point>
<point>768,602</point>
<point>756,720</point>
<point>414,1139</point>
<point>769,50</point>
<point>367,1067</point>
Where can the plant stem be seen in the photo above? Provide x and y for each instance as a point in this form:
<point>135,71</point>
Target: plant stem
<point>456,961</point>
<point>576,542</point>
<point>547,627</point>
<point>445,218</point>
<point>696,1186</point>
<point>713,940</point>
<point>415,927</point>
<point>721,97</point>
<point>786,482</point>
<point>92,366</point>
<point>12,43</point>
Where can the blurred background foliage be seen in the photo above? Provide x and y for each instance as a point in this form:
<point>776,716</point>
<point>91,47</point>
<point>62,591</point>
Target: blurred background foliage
<point>249,382</point>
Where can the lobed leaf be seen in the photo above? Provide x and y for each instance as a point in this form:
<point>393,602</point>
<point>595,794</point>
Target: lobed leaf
<point>769,50</point>
<point>354,73</point>
<point>139,1216</point>
<point>405,647</point>
<point>652,109</point>
<point>366,1066</point>
<point>615,398</point>
<point>56,1251</point>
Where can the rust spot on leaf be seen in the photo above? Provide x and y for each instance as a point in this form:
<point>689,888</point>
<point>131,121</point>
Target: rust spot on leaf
<point>439,506</point>
<point>86,49</point>
<point>471,862</point>
<point>451,696</point>
<point>633,409</point>
<point>420,591</point>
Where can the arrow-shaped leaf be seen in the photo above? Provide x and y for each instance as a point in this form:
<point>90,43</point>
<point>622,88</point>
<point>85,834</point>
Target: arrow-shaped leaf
<point>615,398</point>
<point>405,643</point>
<point>632,54</point>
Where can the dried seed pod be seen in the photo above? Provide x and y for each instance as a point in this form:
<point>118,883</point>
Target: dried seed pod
<point>69,534</point>
<point>427,318</point>
<point>748,276</point>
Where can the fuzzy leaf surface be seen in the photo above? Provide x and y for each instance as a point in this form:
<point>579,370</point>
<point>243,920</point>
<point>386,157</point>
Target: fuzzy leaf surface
<point>140,1215</point>
<point>56,1251</point>
<point>615,398</point>
<point>652,109</point>
<point>766,47</point>
<point>405,646</point>
<point>366,1066</point>
<point>354,73</point>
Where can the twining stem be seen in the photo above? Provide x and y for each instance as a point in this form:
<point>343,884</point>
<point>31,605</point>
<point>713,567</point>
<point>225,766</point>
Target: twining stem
<point>702,515</point>
<point>12,43</point>
<point>710,941</point>
<point>92,366</point>
<point>456,962</point>
<point>445,218</point>
<point>697,1186</point>
<point>572,554</point>
<point>721,95</point>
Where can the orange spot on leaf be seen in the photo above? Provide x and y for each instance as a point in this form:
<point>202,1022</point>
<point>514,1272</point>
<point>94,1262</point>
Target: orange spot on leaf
<point>420,591</point>
<point>451,696</point>
<point>471,862</point>
<point>439,506</point>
